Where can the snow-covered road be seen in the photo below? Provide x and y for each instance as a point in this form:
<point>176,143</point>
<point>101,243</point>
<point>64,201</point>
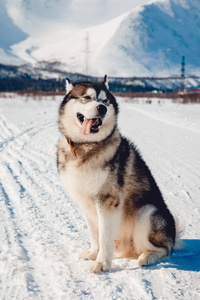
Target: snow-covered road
<point>41,230</point>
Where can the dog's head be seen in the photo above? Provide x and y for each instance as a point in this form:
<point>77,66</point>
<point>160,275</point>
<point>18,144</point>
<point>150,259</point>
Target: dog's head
<point>88,112</point>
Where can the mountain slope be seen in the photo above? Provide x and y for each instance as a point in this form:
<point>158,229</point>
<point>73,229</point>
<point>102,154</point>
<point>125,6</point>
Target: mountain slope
<point>9,34</point>
<point>153,38</point>
<point>124,39</point>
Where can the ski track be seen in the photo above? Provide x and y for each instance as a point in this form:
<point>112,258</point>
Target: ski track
<point>42,232</point>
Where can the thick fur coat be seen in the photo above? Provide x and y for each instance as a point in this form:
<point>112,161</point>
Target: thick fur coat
<point>106,176</point>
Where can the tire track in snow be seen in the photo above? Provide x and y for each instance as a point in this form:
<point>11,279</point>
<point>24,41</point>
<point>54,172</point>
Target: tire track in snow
<point>152,144</point>
<point>19,169</point>
<point>25,170</point>
<point>7,131</point>
<point>14,134</point>
<point>11,191</point>
<point>53,234</point>
<point>173,160</point>
<point>162,120</point>
<point>14,239</point>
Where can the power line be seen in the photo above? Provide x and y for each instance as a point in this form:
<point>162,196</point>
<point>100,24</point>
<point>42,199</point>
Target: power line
<point>87,55</point>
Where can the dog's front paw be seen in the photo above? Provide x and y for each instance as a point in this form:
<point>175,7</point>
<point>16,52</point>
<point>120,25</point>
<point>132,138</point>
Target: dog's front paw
<point>88,255</point>
<point>98,267</point>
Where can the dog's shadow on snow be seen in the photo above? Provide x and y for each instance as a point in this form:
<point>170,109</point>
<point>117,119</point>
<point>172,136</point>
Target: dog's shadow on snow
<point>186,259</point>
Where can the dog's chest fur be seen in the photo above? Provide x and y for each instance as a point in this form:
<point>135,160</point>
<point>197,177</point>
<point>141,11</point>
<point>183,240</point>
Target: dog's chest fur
<point>85,174</point>
<point>84,180</point>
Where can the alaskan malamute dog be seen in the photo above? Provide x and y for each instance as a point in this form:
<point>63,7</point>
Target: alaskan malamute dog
<point>106,176</point>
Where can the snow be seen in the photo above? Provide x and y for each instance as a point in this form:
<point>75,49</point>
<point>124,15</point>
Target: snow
<point>41,229</point>
<point>153,38</point>
<point>9,34</point>
<point>126,38</point>
<point>57,29</point>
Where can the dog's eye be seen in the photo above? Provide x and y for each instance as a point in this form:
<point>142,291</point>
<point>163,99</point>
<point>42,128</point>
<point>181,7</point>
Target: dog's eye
<point>87,97</point>
<point>105,101</point>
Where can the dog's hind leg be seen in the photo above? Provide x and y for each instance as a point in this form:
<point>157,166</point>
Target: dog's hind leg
<point>148,258</point>
<point>154,234</point>
<point>109,217</point>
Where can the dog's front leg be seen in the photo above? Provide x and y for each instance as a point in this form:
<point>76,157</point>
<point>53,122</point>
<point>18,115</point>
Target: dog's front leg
<point>92,224</point>
<point>109,217</point>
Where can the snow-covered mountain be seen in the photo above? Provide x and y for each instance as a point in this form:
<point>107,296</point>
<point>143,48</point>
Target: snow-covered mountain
<point>126,38</point>
<point>9,34</point>
<point>153,38</point>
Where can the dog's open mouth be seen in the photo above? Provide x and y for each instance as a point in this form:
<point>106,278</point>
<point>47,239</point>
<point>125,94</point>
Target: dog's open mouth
<point>89,125</point>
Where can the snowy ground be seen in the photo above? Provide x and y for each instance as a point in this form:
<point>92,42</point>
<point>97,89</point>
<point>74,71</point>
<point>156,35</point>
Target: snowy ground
<point>42,232</point>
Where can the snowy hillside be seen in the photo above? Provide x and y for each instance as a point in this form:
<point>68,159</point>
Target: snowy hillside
<point>153,38</point>
<point>126,38</point>
<point>41,230</point>
<point>9,34</point>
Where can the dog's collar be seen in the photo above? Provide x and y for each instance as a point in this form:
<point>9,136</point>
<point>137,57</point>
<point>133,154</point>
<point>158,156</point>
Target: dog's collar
<point>71,145</point>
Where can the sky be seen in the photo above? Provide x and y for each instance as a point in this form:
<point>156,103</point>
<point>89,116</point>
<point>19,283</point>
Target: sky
<point>73,13</point>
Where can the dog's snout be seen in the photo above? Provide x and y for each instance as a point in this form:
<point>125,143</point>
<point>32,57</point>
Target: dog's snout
<point>102,109</point>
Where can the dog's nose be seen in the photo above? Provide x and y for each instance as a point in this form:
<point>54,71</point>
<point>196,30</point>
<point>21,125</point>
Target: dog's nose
<point>102,110</point>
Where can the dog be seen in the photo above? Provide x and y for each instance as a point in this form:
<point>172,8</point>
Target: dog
<point>105,175</point>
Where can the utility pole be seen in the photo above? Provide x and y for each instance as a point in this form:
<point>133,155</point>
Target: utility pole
<point>87,54</point>
<point>183,74</point>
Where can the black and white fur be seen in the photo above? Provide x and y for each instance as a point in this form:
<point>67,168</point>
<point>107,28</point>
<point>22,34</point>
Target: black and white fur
<point>108,179</point>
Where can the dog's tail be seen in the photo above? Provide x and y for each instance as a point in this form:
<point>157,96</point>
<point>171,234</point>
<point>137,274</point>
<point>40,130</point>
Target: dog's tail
<point>180,229</point>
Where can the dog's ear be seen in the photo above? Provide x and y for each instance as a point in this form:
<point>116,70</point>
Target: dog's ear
<point>105,81</point>
<point>68,85</point>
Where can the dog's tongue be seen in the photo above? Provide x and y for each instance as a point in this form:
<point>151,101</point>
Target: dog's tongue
<point>86,126</point>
